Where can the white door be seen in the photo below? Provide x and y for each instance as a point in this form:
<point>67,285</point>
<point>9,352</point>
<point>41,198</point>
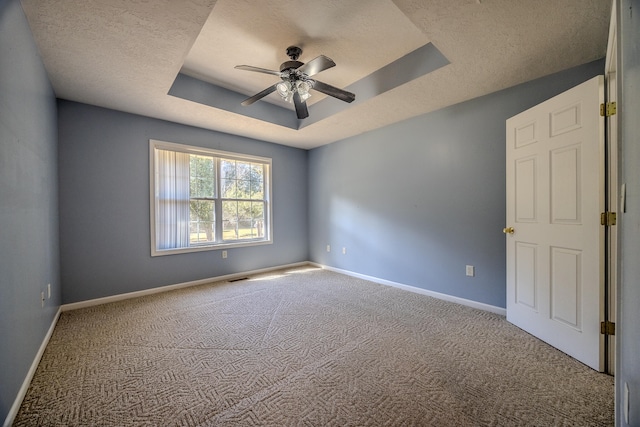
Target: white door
<point>555,194</point>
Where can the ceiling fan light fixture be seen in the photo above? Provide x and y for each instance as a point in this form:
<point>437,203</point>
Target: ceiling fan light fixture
<point>284,89</point>
<point>303,87</point>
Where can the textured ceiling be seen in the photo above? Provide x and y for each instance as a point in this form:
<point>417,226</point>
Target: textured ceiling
<point>126,54</point>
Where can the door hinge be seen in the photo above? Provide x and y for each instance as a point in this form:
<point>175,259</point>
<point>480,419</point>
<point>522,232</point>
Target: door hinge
<point>607,328</point>
<point>608,109</point>
<point>608,218</point>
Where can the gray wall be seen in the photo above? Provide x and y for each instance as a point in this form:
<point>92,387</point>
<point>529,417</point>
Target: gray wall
<point>628,324</point>
<point>413,202</point>
<point>416,201</point>
<point>104,204</point>
<point>28,202</point>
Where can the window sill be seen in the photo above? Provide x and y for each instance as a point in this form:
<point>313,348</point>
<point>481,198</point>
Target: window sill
<point>203,248</point>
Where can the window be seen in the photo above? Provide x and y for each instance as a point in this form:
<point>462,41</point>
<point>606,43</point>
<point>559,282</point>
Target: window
<point>204,199</point>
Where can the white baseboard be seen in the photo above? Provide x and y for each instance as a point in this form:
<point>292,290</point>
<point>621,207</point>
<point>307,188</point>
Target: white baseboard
<point>136,294</point>
<point>470,303</point>
<point>32,370</point>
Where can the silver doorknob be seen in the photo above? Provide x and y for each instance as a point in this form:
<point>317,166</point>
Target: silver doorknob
<point>508,230</point>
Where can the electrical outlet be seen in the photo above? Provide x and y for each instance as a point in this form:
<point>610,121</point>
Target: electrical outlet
<point>42,299</point>
<point>328,248</point>
<point>344,251</point>
<point>471,271</point>
<point>48,290</point>
<point>224,254</point>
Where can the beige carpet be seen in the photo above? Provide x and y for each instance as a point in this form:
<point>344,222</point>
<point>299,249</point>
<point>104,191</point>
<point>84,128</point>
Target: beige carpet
<point>305,347</point>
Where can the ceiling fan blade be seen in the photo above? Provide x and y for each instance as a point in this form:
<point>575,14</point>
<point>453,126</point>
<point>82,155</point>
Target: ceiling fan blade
<point>316,65</point>
<point>301,106</point>
<point>259,95</point>
<point>258,70</point>
<point>342,95</point>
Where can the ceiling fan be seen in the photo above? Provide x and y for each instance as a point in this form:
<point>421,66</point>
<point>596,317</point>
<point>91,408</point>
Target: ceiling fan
<point>297,82</point>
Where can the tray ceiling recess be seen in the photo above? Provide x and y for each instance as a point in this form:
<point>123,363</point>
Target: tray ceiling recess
<point>401,58</point>
<point>413,65</point>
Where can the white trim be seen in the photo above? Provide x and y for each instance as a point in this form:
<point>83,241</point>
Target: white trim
<point>470,303</point>
<point>129,295</point>
<point>32,370</point>
<point>192,149</point>
<point>611,41</point>
<point>136,294</point>
<point>207,247</point>
<point>612,279</point>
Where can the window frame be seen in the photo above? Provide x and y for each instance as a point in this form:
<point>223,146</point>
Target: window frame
<point>217,154</point>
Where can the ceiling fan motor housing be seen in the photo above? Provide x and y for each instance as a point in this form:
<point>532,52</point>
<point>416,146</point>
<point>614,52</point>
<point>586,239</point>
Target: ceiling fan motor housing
<point>288,65</point>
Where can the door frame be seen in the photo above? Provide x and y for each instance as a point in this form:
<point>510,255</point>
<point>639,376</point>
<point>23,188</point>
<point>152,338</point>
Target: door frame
<point>613,202</point>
